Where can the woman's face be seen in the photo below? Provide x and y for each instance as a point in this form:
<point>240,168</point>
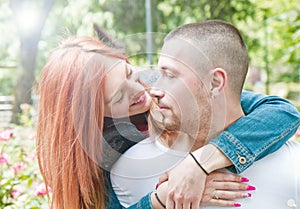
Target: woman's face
<point>124,95</point>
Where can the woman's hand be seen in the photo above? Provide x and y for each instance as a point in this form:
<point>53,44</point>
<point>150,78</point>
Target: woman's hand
<point>185,184</point>
<point>186,181</point>
<point>222,189</point>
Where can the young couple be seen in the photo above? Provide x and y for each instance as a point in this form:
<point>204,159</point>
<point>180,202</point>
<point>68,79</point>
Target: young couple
<point>88,91</point>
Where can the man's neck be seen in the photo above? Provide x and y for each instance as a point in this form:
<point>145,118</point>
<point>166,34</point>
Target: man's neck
<point>224,115</point>
<point>177,140</point>
<point>234,109</point>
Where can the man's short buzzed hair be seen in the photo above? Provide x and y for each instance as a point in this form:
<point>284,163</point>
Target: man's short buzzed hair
<point>222,44</point>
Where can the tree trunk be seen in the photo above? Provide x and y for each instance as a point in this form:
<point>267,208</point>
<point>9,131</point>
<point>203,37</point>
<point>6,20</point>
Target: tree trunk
<point>27,60</point>
<point>25,75</point>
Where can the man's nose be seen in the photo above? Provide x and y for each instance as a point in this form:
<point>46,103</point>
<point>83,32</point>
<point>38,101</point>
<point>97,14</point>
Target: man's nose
<point>156,92</point>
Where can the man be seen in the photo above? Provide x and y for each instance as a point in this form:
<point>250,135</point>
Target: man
<point>203,69</point>
<point>210,59</point>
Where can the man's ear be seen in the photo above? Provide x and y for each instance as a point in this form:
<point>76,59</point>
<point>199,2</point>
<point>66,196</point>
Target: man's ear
<point>218,81</point>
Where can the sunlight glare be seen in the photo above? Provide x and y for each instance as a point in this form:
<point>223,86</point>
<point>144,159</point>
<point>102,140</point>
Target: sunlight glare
<point>27,19</point>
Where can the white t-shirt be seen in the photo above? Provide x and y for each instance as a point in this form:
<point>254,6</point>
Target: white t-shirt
<point>276,177</point>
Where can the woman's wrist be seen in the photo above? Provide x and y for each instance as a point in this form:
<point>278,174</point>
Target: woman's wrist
<point>211,158</point>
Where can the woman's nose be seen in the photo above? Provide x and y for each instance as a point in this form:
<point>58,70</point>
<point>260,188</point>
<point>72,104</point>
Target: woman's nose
<point>156,92</point>
<point>136,73</point>
<point>145,76</point>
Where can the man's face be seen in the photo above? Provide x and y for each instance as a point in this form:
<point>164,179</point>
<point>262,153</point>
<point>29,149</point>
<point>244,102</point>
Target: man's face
<point>181,93</point>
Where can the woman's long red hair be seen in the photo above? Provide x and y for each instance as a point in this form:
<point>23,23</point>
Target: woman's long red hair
<point>70,123</point>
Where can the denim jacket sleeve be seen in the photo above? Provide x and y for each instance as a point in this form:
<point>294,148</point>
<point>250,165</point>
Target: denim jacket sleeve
<point>144,203</point>
<point>268,123</point>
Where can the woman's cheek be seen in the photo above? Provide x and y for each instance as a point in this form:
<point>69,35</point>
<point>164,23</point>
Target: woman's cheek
<point>120,110</point>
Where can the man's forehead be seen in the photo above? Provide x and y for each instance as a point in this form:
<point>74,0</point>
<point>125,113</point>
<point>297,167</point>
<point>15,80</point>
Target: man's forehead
<point>178,51</point>
<point>175,46</point>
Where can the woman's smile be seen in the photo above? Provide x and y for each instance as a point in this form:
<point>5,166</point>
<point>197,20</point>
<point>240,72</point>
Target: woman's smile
<point>139,99</point>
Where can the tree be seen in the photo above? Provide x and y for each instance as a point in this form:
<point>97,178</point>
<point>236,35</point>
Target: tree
<point>28,51</point>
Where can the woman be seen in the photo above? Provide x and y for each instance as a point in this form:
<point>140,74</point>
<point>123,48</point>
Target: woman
<point>82,82</point>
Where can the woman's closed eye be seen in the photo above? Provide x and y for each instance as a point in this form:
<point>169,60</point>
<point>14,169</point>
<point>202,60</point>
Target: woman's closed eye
<point>118,97</point>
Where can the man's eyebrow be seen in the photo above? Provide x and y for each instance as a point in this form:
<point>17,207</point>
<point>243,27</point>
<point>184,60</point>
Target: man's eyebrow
<point>168,68</point>
<point>164,68</point>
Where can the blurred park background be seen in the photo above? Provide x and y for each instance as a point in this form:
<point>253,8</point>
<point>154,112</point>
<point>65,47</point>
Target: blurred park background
<point>30,29</point>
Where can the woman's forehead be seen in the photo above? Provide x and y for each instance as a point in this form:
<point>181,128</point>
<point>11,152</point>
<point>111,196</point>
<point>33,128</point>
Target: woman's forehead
<point>112,63</point>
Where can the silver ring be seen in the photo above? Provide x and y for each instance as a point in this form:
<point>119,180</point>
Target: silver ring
<point>216,196</point>
<point>246,195</point>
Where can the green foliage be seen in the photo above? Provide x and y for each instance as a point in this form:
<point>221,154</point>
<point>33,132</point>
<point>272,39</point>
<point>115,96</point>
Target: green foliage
<point>27,115</point>
<point>7,82</point>
<point>166,15</point>
<point>128,15</point>
<point>276,29</point>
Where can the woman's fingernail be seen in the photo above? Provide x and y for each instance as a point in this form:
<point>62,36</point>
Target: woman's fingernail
<point>251,188</point>
<point>244,179</point>
<point>236,205</point>
<point>156,186</point>
<point>247,195</point>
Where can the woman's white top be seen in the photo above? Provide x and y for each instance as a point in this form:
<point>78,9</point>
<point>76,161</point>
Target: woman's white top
<point>276,177</point>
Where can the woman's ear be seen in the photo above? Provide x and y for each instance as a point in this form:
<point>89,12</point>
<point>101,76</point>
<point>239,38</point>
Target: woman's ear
<point>218,81</point>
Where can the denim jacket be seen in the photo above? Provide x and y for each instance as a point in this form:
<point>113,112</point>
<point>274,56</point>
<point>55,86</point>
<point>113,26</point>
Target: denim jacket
<point>273,120</point>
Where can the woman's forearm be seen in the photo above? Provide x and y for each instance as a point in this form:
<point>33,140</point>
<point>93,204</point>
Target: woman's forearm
<point>268,123</point>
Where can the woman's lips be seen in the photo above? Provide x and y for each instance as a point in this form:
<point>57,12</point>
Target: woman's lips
<point>140,100</point>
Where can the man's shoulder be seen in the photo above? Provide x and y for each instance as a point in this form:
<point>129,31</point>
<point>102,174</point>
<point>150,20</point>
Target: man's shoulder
<point>293,147</point>
<point>287,152</point>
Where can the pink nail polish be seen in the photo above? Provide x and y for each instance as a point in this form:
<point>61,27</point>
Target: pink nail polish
<point>244,179</point>
<point>237,205</point>
<point>251,188</point>
<point>249,195</point>
<point>156,186</point>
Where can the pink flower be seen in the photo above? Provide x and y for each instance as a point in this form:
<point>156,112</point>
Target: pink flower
<point>3,158</point>
<point>41,189</point>
<point>25,106</point>
<point>17,167</point>
<point>5,135</point>
<point>31,156</point>
<point>15,193</point>
<point>31,136</point>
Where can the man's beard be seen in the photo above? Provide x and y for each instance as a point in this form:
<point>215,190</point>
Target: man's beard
<point>196,124</point>
<point>172,124</point>
<point>161,122</point>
